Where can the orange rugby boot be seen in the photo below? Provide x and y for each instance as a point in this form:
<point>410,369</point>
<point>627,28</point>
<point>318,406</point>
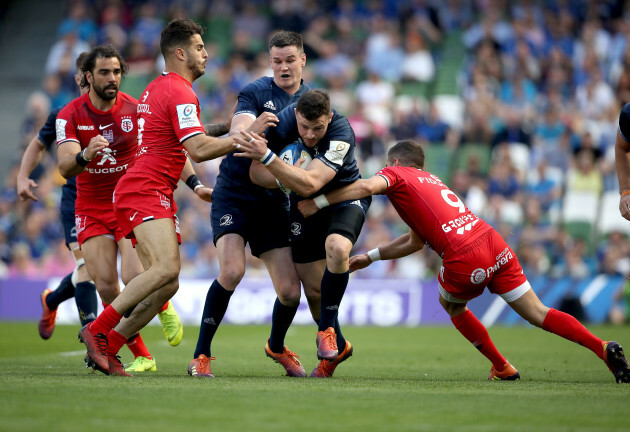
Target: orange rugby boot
<point>289,361</point>
<point>326,368</point>
<point>509,373</point>
<point>327,344</point>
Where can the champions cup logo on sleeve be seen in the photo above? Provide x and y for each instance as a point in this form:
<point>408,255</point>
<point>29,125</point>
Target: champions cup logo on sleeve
<point>337,151</point>
<point>187,116</point>
<point>60,129</point>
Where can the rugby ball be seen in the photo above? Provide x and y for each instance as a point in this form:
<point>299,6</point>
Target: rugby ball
<point>291,154</point>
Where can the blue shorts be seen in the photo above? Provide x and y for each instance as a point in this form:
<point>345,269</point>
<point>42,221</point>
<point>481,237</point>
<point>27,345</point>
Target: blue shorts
<point>66,208</point>
<point>262,219</point>
<point>308,235</point>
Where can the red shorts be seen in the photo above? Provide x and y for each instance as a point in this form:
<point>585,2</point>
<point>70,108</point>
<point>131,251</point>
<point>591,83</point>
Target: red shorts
<point>97,222</point>
<point>487,262</point>
<point>139,198</point>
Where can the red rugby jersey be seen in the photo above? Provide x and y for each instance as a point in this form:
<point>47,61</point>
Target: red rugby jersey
<point>431,209</point>
<point>168,114</point>
<point>80,121</point>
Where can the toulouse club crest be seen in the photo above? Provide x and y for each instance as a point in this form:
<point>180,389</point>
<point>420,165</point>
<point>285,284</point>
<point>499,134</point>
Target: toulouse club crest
<point>126,124</point>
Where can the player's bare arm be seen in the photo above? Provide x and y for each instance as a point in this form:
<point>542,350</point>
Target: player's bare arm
<point>359,189</point>
<point>203,147</point>
<point>304,182</point>
<point>261,176</point>
<point>189,177</point>
<point>73,160</point>
<point>30,159</point>
<point>622,163</point>
<point>404,245</point>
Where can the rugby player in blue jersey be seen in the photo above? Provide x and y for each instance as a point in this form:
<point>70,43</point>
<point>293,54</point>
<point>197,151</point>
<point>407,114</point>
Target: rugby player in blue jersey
<point>77,284</point>
<point>237,217</point>
<point>320,245</point>
<point>622,160</point>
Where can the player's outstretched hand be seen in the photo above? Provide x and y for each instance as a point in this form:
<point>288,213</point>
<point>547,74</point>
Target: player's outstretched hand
<point>358,262</point>
<point>96,144</point>
<point>307,207</point>
<point>262,122</point>
<point>24,185</point>
<point>624,206</point>
<point>205,193</point>
<point>249,144</point>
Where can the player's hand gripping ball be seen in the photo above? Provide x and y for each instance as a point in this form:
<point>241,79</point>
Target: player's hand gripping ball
<point>291,154</point>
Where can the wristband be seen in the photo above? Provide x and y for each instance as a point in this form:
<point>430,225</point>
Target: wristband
<point>625,193</point>
<point>374,255</point>
<point>267,158</point>
<point>81,160</point>
<point>193,182</point>
<point>321,201</point>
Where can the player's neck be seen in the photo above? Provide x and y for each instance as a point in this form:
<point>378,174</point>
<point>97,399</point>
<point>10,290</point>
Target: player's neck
<point>183,72</point>
<point>100,104</point>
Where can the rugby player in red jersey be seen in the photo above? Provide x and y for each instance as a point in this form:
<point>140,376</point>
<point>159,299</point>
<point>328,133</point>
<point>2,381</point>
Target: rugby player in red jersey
<point>474,257</point>
<point>169,129</point>
<point>96,141</point>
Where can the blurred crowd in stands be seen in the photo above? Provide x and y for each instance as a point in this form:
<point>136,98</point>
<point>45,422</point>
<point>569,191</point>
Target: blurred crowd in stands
<point>516,103</point>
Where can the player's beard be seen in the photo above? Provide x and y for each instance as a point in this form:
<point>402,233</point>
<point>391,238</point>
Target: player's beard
<point>100,91</point>
<point>197,69</point>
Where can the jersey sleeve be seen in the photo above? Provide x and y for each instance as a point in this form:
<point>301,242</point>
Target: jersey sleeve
<point>339,148</point>
<point>185,113</point>
<point>624,122</point>
<point>65,128</point>
<point>48,134</point>
<point>388,175</point>
<point>247,103</point>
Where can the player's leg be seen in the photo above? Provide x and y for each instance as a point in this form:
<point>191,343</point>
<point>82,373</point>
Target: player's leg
<point>158,241</point>
<point>311,275</point>
<point>529,306</point>
<point>130,267</point>
<point>476,333</point>
<point>287,285</point>
<point>333,288</point>
<point>100,253</point>
<point>231,252</point>
<point>84,289</point>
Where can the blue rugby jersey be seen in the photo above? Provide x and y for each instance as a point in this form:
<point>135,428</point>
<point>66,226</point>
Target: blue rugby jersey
<point>48,136</point>
<point>255,98</point>
<point>335,149</point>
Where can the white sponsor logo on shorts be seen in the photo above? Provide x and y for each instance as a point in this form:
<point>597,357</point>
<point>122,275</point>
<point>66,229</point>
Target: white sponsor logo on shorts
<point>296,228</point>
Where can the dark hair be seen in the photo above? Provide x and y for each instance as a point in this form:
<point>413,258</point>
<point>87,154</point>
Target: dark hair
<point>408,152</point>
<point>286,38</point>
<point>81,59</point>
<point>313,104</point>
<point>100,51</point>
<point>178,34</point>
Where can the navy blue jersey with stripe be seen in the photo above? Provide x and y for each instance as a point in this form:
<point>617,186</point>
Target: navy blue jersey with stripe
<point>624,122</point>
<point>48,136</point>
<point>335,149</point>
<point>255,98</point>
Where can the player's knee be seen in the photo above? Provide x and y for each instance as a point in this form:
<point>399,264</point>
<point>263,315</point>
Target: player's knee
<point>289,294</point>
<point>313,292</point>
<point>231,276</point>
<point>167,274</point>
<point>338,250</point>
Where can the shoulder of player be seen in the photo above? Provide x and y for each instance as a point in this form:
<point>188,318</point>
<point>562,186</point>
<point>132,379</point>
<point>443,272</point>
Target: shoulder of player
<point>126,98</point>
<point>261,85</point>
<point>340,129</point>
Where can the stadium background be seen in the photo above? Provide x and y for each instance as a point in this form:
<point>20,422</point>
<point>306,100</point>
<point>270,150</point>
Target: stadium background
<point>515,102</point>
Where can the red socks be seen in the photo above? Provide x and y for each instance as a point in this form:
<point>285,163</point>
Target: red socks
<point>164,307</point>
<point>107,320</point>
<point>137,346</point>
<point>473,330</point>
<point>568,327</point>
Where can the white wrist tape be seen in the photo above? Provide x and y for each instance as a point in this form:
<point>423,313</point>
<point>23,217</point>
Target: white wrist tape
<point>321,201</point>
<point>374,255</point>
<point>267,158</point>
<point>197,187</point>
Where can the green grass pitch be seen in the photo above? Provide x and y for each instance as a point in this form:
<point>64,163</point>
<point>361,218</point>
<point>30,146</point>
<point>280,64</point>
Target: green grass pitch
<point>399,379</point>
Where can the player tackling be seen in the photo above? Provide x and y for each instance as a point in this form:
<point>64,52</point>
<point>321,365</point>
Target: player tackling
<point>474,257</point>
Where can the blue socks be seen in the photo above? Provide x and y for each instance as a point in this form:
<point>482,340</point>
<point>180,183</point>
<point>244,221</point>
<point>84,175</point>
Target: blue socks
<point>63,292</point>
<point>280,321</point>
<point>217,301</point>
<point>87,302</point>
